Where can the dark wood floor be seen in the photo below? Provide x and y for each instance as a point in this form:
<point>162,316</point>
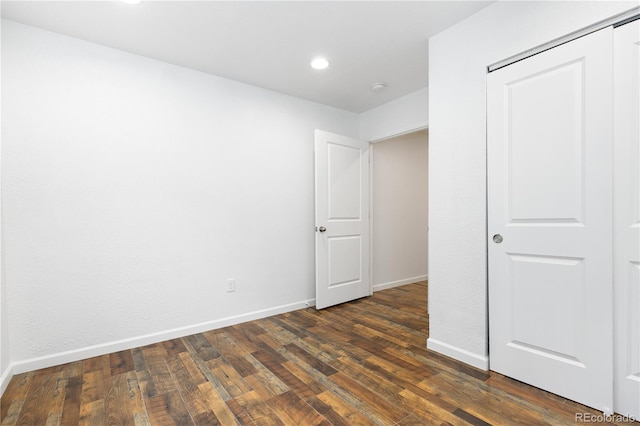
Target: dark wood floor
<point>359,363</point>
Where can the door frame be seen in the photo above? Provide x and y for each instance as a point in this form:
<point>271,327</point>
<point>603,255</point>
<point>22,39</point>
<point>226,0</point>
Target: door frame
<point>404,131</point>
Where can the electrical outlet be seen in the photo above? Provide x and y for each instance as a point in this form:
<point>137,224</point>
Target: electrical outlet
<point>231,285</point>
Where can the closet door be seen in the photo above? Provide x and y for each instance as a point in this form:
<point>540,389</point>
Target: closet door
<point>550,220</point>
<point>627,218</point>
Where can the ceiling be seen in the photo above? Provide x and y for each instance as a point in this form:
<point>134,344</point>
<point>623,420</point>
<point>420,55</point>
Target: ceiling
<point>269,43</point>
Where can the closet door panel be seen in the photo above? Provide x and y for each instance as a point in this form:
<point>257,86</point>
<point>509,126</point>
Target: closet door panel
<point>627,218</point>
<point>549,172</point>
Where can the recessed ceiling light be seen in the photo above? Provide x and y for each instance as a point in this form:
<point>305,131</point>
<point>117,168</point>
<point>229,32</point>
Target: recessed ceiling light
<point>132,1</point>
<point>319,63</point>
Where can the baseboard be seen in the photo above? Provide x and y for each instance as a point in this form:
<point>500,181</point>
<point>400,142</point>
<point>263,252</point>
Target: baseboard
<point>121,345</point>
<point>398,283</point>
<point>462,355</point>
<point>6,377</point>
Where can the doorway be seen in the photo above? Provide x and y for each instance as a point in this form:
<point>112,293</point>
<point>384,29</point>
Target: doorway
<point>399,210</point>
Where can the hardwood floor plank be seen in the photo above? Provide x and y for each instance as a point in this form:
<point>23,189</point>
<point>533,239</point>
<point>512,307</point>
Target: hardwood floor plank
<point>136,400</point>
<point>217,404</point>
<point>371,380</point>
<point>121,362</point>
<point>154,378</point>
<point>388,389</point>
<point>486,405</point>
<point>168,409</point>
<point>250,330</point>
<point>374,404</point>
<point>358,363</point>
<point>432,409</point>
<point>469,418</point>
<point>312,387</point>
<point>232,352</point>
<point>297,412</point>
<point>201,345</point>
<point>14,397</point>
<point>261,414</point>
<point>206,372</point>
<point>388,321</point>
<point>238,334</point>
<point>141,419</point>
<point>312,361</point>
<point>259,387</point>
<point>231,380</point>
<point>195,401</point>
<point>12,412</point>
<point>92,387</point>
<point>438,362</point>
<point>117,406</point>
<point>337,411</point>
<point>174,347</point>
<point>536,397</point>
<point>99,363</point>
<point>265,379</point>
<point>206,418</point>
<point>243,416</point>
<point>92,413</point>
<point>71,410</point>
<point>44,398</point>
<point>395,369</point>
<point>284,375</point>
<point>194,373</point>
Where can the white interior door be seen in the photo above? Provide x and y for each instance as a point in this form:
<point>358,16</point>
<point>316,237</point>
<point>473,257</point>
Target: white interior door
<point>627,218</point>
<point>342,219</point>
<point>550,202</point>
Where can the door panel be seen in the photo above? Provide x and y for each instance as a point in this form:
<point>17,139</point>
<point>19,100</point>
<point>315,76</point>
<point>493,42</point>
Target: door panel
<point>345,260</point>
<point>345,169</point>
<point>554,196</point>
<point>543,287</point>
<point>342,210</point>
<point>549,198</point>
<point>627,218</point>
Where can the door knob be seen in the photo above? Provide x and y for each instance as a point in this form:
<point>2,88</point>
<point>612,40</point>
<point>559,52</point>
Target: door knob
<point>322,229</point>
<point>497,238</point>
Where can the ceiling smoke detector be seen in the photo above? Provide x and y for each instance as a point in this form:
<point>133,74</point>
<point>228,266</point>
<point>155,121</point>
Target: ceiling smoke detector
<point>378,87</point>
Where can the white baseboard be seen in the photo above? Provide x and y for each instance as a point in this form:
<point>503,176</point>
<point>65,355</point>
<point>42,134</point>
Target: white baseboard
<point>121,345</point>
<point>6,377</point>
<point>398,283</point>
<point>462,355</point>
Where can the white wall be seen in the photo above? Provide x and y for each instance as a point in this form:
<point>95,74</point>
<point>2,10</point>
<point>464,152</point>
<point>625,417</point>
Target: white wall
<point>400,210</point>
<point>5,374</point>
<point>457,154</point>
<point>410,112</point>
<point>132,189</point>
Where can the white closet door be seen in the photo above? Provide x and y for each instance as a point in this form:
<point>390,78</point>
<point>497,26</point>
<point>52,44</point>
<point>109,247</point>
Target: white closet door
<point>550,220</point>
<point>627,218</point>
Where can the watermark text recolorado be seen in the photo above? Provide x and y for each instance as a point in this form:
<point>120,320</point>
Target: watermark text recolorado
<point>603,418</point>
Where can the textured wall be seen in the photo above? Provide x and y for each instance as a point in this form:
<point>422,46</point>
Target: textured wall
<point>134,188</point>
<point>410,112</point>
